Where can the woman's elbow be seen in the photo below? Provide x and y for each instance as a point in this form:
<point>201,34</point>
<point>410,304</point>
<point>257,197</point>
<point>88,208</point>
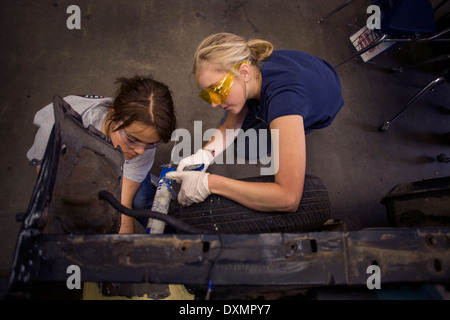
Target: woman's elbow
<point>293,207</point>
<point>291,202</point>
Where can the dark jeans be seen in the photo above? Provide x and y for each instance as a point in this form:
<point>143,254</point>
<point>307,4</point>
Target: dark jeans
<point>143,199</point>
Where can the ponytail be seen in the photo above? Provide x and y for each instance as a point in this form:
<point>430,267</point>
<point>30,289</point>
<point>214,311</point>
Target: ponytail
<point>260,50</point>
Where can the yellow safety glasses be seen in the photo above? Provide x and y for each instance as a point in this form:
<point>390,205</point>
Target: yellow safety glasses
<point>218,94</point>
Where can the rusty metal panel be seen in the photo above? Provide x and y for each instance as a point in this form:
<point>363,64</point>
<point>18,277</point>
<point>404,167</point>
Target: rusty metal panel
<point>305,259</point>
<point>403,255</point>
<point>65,198</point>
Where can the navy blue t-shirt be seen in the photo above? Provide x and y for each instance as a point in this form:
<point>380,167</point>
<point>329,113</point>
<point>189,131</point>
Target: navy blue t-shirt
<point>297,83</point>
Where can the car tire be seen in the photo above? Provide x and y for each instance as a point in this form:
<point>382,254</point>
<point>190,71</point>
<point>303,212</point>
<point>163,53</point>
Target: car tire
<point>221,215</point>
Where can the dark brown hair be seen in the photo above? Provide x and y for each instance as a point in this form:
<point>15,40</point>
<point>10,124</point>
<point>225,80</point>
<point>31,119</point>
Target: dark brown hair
<point>144,100</point>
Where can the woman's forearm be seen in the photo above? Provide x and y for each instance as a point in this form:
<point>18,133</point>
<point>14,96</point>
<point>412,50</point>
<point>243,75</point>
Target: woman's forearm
<point>285,193</point>
<point>261,196</point>
<point>220,140</point>
<point>227,132</point>
<point>129,189</point>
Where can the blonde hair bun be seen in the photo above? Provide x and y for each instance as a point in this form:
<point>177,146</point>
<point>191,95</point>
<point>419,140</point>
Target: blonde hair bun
<point>227,49</point>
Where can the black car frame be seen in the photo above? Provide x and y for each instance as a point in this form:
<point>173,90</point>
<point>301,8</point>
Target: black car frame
<point>73,219</point>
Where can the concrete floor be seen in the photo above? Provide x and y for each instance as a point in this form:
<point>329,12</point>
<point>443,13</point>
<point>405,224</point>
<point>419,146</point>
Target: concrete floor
<point>41,57</point>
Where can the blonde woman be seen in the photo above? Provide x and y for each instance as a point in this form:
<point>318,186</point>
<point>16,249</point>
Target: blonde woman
<point>290,92</point>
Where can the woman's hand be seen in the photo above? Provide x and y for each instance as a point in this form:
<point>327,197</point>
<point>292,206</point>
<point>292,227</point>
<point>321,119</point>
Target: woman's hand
<point>194,186</point>
<point>204,157</point>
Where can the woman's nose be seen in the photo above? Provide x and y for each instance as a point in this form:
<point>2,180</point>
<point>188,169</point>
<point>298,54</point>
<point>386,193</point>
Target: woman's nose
<point>139,150</point>
<point>214,104</point>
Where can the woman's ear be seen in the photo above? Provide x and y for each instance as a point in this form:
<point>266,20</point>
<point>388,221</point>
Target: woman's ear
<point>108,125</point>
<point>245,71</point>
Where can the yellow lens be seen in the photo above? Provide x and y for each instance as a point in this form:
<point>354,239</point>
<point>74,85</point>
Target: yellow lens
<point>216,98</point>
<point>205,96</point>
<point>225,86</point>
<point>219,93</point>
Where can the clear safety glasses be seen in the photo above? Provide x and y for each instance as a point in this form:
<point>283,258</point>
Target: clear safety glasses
<point>130,142</point>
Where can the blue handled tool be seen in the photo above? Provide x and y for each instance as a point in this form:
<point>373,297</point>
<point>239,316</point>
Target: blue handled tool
<point>163,196</point>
